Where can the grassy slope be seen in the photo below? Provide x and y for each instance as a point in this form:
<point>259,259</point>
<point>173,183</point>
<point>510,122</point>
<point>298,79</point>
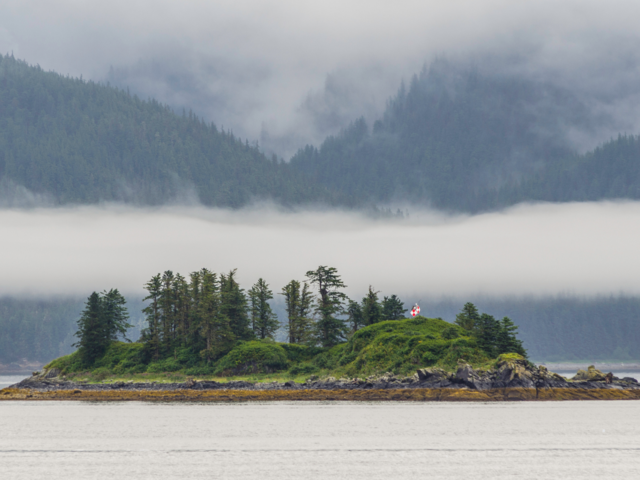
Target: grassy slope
<point>393,346</point>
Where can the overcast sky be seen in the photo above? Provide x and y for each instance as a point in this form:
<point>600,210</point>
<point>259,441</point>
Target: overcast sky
<point>287,72</point>
<point>574,249</point>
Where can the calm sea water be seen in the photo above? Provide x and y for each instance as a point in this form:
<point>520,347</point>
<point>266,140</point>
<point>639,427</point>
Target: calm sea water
<point>7,380</point>
<point>619,374</point>
<point>69,440</point>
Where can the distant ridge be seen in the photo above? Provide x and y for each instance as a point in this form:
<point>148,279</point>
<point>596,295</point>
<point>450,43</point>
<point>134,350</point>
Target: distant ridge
<point>463,140</point>
<point>73,141</point>
<point>456,139</point>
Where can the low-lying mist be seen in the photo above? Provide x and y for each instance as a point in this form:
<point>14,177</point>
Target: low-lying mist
<point>545,249</point>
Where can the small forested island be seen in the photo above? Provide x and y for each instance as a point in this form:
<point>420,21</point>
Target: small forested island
<point>208,339</point>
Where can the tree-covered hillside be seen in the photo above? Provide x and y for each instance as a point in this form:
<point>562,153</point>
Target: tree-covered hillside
<point>459,139</point>
<point>73,141</point>
<point>611,171</point>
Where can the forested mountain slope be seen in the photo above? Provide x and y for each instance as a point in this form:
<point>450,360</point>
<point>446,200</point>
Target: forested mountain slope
<point>611,171</point>
<point>458,139</point>
<point>73,141</point>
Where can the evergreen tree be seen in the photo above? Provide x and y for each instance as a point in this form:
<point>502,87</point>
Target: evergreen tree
<point>468,317</point>
<point>183,310</point>
<point>167,303</point>
<point>354,310</point>
<point>298,303</point>
<point>264,321</point>
<point>195,294</point>
<point>234,306</point>
<point>486,330</point>
<point>330,330</point>
<point>215,327</point>
<point>371,308</point>
<point>507,342</point>
<point>393,308</point>
<point>93,333</point>
<point>115,314</point>
<point>151,336</point>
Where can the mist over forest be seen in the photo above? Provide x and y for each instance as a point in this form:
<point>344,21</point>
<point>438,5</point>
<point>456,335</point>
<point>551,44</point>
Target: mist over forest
<point>495,162</point>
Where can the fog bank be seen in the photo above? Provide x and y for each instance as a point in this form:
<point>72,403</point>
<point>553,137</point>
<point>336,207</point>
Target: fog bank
<point>582,249</point>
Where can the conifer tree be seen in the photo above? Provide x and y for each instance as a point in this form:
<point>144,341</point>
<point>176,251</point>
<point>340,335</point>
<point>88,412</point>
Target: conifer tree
<point>330,330</point>
<point>371,308</point>
<point>298,303</point>
<point>486,331</point>
<point>354,310</point>
<point>93,334</point>
<point>234,306</point>
<point>393,308</point>
<point>264,321</point>
<point>115,314</point>
<point>167,303</point>
<point>507,341</point>
<point>215,325</point>
<point>182,309</point>
<point>468,317</point>
<point>151,336</point>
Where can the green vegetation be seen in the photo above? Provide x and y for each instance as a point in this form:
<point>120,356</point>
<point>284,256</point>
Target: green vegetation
<point>104,319</point>
<point>398,346</point>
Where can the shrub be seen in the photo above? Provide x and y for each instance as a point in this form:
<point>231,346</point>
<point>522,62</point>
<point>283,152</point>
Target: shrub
<point>303,369</point>
<point>450,333</point>
<point>253,357</point>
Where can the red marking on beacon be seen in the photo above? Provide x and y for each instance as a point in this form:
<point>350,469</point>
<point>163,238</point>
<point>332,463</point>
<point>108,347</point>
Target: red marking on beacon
<point>415,310</point>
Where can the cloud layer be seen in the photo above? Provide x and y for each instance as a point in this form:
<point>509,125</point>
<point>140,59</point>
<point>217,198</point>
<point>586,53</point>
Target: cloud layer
<point>588,248</point>
<point>285,72</point>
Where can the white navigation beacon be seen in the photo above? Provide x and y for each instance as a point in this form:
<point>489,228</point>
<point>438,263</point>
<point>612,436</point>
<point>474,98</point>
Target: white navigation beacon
<point>415,310</point>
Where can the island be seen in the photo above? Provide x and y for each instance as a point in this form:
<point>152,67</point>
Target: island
<point>416,359</point>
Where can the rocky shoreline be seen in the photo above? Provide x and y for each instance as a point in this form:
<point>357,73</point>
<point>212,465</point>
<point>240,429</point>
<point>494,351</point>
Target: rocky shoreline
<point>510,380</point>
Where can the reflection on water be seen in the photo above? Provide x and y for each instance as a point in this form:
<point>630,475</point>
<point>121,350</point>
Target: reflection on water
<point>581,440</point>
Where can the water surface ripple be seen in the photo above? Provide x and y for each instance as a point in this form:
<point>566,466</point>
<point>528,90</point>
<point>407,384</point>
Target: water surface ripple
<point>63,440</point>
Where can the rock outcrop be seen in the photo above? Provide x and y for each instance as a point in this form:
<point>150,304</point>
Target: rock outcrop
<point>511,373</point>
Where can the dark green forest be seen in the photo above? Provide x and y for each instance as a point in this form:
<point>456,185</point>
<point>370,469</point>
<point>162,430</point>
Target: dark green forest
<point>457,139</point>
<point>76,141</point>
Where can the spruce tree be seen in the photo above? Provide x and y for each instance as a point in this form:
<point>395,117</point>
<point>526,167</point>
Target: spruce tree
<point>215,326</point>
<point>486,331</point>
<point>264,321</point>
<point>393,308</point>
<point>92,332</point>
<point>468,317</point>
<point>507,341</point>
<point>167,303</point>
<point>234,306</point>
<point>371,308</point>
<point>115,314</point>
<point>298,304</point>
<point>330,330</point>
<point>354,310</point>
<point>151,336</point>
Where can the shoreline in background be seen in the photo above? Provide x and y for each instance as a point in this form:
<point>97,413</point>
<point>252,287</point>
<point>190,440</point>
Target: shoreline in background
<point>602,366</point>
